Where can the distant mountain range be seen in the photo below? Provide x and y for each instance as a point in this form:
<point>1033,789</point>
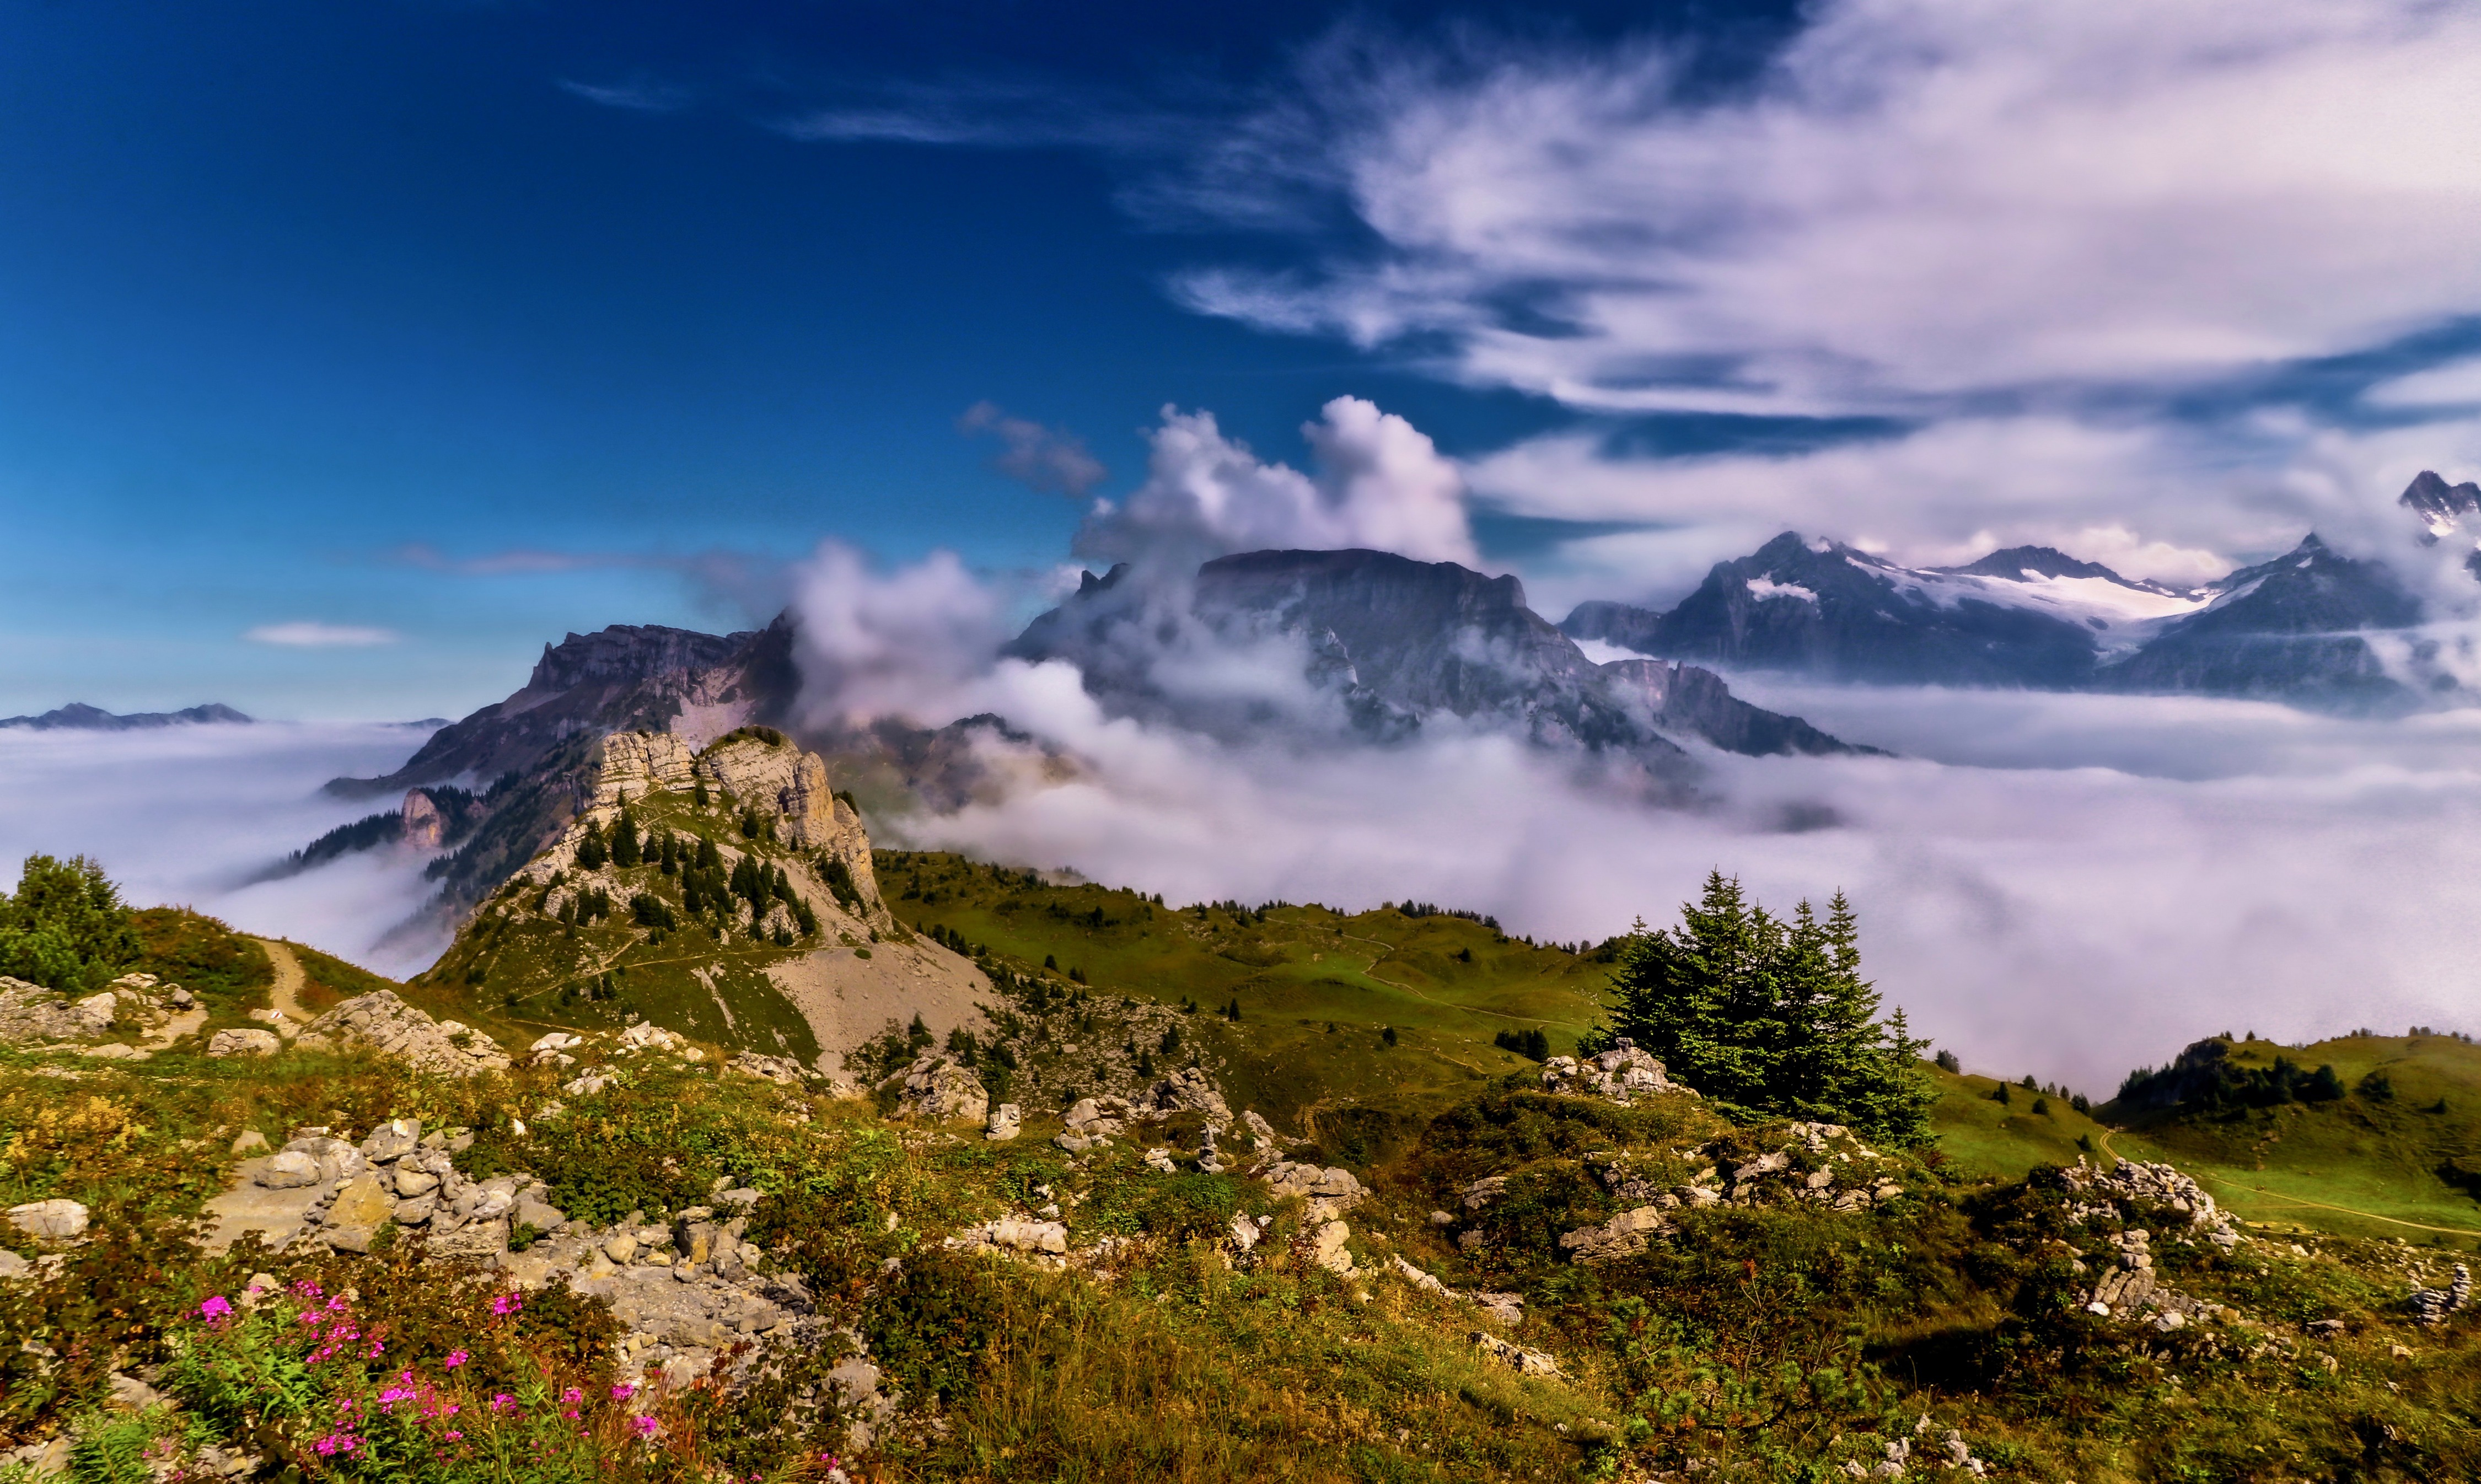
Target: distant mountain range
<point>78,716</point>
<point>2312,627</point>
<point>1389,648</point>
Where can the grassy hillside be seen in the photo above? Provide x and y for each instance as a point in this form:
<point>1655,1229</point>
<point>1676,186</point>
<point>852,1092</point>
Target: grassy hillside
<point>591,950</point>
<point>1318,990</point>
<point>1988,1138</point>
<point>2403,1143</point>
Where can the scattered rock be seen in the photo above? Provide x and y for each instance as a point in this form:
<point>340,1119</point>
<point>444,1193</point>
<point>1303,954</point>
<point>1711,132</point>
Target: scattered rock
<point>1002,1126</point>
<point>55,1220</point>
<point>1327,1248</point>
<point>1620,1236</point>
<point>1621,1074</point>
<point>382,1019</point>
<point>937,1088</point>
<point>773,1068</point>
<point>250,1138</point>
<point>1515,1357</point>
<point>1015,1233</point>
<point>244,1043</point>
<point>1330,1192</point>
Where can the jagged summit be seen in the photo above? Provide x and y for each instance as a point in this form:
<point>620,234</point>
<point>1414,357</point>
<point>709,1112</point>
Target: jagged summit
<point>1398,644</point>
<point>2442,507</point>
<point>624,678</point>
<point>2291,629</point>
<point>79,717</point>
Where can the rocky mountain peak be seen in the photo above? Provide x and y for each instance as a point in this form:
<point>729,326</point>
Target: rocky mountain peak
<point>2442,507</point>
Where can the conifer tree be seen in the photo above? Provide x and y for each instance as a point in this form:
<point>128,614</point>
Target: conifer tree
<point>624,839</point>
<point>1772,1015</point>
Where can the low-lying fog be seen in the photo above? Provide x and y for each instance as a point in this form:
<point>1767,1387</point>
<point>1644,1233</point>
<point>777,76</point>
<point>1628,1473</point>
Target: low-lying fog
<point>190,815</point>
<point>2062,885</point>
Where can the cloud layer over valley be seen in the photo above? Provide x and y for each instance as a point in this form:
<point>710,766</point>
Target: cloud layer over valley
<point>190,815</point>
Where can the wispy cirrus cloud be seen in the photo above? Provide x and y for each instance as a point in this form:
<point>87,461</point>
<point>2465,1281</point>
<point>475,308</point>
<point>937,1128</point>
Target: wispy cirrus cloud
<point>642,96</point>
<point>996,113</point>
<point>1920,202</point>
<point>310,634</point>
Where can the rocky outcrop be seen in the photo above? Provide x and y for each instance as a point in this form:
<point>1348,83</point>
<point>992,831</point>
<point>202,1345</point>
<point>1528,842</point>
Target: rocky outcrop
<point>1330,1192</point>
<point>381,1020</point>
<point>244,1043</point>
<point>624,678</point>
<point>30,1013</point>
<point>1619,1075</point>
<point>1623,1236</point>
<point>2433,1306</point>
<point>939,1088</point>
<point>1187,1090</point>
<point>2133,1189</point>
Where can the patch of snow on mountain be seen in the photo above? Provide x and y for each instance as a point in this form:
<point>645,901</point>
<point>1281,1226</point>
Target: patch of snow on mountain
<point>1765,587</point>
<point>2121,616</point>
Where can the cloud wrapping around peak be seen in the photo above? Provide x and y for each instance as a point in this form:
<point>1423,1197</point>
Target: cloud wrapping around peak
<point>1920,202</point>
<point>309,634</point>
<point>1380,484</point>
<point>876,643</point>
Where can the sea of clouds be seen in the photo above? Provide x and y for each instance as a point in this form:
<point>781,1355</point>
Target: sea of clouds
<point>196,816</point>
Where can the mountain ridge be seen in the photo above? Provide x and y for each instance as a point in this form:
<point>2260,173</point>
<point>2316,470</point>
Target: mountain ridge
<point>77,715</point>
<point>2305,628</point>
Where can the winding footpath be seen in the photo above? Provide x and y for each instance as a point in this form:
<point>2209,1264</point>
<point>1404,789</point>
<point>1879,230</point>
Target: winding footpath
<point>286,995</point>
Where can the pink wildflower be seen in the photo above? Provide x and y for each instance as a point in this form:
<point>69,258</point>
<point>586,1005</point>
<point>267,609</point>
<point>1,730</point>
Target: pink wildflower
<point>646,1426</point>
<point>623,1391</point>
<point>573,1397</point>
<point>455,1357</point>
<point>454,1436</point>
<point>215,1310</point>
<point>503,1402</point>
<point>508,1303</point>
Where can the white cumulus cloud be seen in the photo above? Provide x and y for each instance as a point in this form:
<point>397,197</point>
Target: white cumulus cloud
<point>1377,482</point>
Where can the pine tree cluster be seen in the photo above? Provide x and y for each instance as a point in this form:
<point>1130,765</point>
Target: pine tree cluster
<point>1771,1015</point>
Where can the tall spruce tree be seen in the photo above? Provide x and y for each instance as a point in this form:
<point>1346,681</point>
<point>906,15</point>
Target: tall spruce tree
<point>1772,1014</point>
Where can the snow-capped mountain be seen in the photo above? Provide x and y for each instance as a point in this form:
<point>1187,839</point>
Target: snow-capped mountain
<point>2292,629</point>
<point>2443,508</point>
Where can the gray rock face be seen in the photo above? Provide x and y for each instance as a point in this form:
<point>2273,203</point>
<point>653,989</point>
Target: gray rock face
<point>1396,644</point>
<point>289,1169</point>
<point>1002,1124</point>
<point>244,1043</point>
<point>1187,1090</point>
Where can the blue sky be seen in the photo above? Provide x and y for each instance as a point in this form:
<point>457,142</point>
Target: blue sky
<point>461,326</point>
